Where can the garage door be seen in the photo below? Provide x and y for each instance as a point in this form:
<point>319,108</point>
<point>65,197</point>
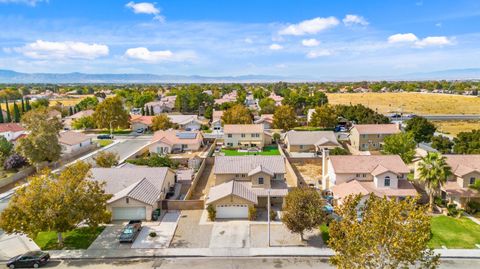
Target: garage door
<point>232,211</point>
<point>128,213</point>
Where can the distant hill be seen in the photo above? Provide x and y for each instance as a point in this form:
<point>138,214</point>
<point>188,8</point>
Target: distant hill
<point>9,76</point>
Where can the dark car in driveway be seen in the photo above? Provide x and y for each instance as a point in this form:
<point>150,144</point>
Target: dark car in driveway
<point>130,231</point>
<point>32,259</point>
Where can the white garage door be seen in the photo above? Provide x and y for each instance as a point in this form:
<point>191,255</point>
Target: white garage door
<point>232,211</point>
<point>128,213</point>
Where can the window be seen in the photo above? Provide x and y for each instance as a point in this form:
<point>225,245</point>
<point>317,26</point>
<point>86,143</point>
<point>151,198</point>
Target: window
<point>243,175</point>
<point>260,180</point>
<point>472,180</point>
<point>242,135</point>
<point>237,175</point>
<point>252,135</point>
<point>364,175</point>
<point>357,175</point>
<point>301,146</point>
<point>387,181</point>
<point>229,135</point>
<point>127,200</point>
<point>378,136</point>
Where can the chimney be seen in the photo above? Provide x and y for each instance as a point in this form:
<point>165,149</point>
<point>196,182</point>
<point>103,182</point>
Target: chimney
<point>324,168</point>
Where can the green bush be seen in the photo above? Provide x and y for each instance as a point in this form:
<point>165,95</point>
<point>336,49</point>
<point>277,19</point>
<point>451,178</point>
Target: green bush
<point>453,211</point>
<point>212,213</point>
<point>439,202</point>
<point>473,207</point>
<point>152,234</point>
<point>155,160</point>
<point>252,213</point>
<point>273,214</point>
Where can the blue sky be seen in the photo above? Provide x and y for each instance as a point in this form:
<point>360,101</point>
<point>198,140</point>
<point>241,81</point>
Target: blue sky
<point>318,39</point>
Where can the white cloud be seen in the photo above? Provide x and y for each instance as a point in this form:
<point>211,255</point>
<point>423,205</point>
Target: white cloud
<point>145,8</point>
<point>248,40</point>
<point>275,46</point>
<point>61,50</point>
<point>318,53</point>
<point>146,55</point>
<point>401,38</point>
<point>312,26</point>
<point>26,2</point>
<point>351,19</point>
<point>430,41</point>
<point>312,42</point>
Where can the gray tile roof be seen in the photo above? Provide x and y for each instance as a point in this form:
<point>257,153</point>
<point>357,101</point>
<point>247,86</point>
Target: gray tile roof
<point>310,137</point>
<point>231,188</point>
<point>245,164</point>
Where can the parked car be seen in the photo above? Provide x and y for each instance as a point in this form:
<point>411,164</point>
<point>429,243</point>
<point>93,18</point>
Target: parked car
<point>105,136</point>
<point>32,259</point>
<point>131,231</point>
<point>140,130</point>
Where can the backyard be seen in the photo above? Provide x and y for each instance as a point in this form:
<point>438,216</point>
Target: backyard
<point>454,232</point>
<point>268,150</point>
<point>80,238</point>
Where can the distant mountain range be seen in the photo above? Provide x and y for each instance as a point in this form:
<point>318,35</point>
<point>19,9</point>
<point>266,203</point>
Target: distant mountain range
<point>9,76</point>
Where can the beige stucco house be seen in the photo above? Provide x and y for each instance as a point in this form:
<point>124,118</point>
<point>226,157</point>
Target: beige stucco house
<point>172,141</point>
<point>245,136</point>
<point>310,141</point>
<point>243,181</point>
<point>135,191</point>
<point>369,137</point>
<point>381,175</point>
<point>74,142</point>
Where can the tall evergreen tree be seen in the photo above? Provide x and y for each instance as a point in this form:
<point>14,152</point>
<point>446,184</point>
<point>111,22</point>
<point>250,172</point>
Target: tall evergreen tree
<point>9,116</point>
<point>147,112</point>
<point>23,106</point>
<point>143,111</point>
<point>70,111</point>
<point>27,105</point>
<point>151,111</point>
<point>16,112</point>
<point>1,116</point>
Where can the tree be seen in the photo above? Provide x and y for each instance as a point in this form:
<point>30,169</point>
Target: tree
<point>57,203</point>
<point>106,159</point>
<point>338,151</point>
<point>143,111</point>
<point>111,114</point>
<point>85,122</point>
<point>303,210</point>
<point>9,116</point>
<point>28,107</point>
<point>161,122</point>
<point>276,137</point>
<point>442,144</point>
<point>1,115</point>
<point>152,113</point>
<point>14,161</point>
<point>433,171</point>
<point>155,160</point>
<point>267,106</point>
<point>421,128</point>
<point>208,113</point>
<point>42,142</point>
<point>23,106</point>
<point>237,114</point>
<point>71,111</point>
<point>401,144</point>
<point>324,116</point>
<point>5,148</point>
<point>284,118</point>
<point>147,113</point>
<point>467,142</point>
<point>16,112</point>
<point>41,102</point>
<point>360,114</point>
<point>388,234</point>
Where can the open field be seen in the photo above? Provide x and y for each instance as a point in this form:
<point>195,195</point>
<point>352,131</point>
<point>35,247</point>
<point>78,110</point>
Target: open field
<point>418,103</point>
<point>455,127</point>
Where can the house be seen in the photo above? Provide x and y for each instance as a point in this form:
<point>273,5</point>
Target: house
<point>244,181</point>
<point>53,113</point>
<point>245,136</point>
<point>369,137</point>
<point>217,121</point>
<point>11,131</point>
<point>381,175</point>
<point>266,120</point>
<point>227,98</point>
<point>184,122</point>
<point>73,142</point>
<point>310,141</point>
<point>171,141</point>
<point>67,121</point>
<point>310,114</point>
<point>166,104</point>
<point>139,122</point>
<point>136,191</point>
<point>465,172</point>
<point>277,98</point>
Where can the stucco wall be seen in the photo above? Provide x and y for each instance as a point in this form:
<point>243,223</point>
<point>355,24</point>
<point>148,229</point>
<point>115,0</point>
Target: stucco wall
<point>131,203</point>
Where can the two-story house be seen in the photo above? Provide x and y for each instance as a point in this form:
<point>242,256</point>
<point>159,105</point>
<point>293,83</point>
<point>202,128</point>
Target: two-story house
<point>380,175</point>
<point>245,136</point>
<point>369,137</point>
<point>243,181</point>
<point>11,131</point>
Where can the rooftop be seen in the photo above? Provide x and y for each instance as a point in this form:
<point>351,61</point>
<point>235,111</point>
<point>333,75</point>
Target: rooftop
<point>463,164</point>
<point>374,164</point>
<point>311,137</point>
<point>377,128</point>
<point>245,164</point>
<point>242,128</point>
<point>72,138</point>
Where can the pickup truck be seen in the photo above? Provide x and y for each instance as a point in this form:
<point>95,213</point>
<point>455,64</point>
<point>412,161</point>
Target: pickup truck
<point>130,231</point>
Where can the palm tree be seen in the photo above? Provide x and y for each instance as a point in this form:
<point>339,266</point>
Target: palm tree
<point>433,171</point>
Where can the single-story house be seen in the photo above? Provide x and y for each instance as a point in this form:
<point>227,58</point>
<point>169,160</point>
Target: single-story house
<point>217,121</point>
<point>171,141</point>
<point>136,191</point>
<point>310,141</point>
<point>266,120</point>
<point>67,121</point>
<point>11,131</point>
<point>184,122</point>
<point>73,142</point>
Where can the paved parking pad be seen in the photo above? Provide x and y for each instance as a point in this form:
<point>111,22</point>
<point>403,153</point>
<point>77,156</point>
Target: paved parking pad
<point>108,239</point>
<point>230,234</point>
<point>164,229</point>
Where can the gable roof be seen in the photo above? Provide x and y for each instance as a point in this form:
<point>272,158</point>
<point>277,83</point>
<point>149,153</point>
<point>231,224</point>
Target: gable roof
<point>72,138</point>
<point>405,188</point>
<point>463,164</point>
<point>11,127</point>
<point>260,169</point>
<point>177,119</point>
<point>353,164</point>
<point>174,137</point>
<point>80,114</point>
<point>377,128</point>
<point>245,164</point>
<point>231,188</point>
<point>265,118</point>
<point>311,137</point>
<point>242,128</point>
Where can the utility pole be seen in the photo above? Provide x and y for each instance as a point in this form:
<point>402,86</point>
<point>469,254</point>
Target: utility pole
<point>268,215</point>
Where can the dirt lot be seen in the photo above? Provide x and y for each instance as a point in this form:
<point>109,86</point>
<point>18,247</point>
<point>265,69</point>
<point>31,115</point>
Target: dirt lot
<point>309,171</point>
<point>206,181</point>
<point>418,103</point>
<point>455,127</point>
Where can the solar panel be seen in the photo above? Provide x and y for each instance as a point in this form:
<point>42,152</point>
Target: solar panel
<point>186,135</point>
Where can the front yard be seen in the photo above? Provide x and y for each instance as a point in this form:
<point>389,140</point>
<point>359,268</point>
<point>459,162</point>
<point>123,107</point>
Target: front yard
<point>454,232</point>
<point>268,150</point>
<point>80,238</point>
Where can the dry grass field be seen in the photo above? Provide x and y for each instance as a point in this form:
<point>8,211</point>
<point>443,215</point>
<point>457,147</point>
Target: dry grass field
<point>418,103</point>
<point>455,127</point>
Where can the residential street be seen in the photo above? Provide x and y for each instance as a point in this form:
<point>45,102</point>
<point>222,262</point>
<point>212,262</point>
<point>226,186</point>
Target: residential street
<point>237,263</point>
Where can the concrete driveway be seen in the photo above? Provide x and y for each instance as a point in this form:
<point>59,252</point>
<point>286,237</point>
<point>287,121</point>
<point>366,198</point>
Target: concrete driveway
<point>230,234</point>
<point>165,229</point>
<point>13,244</point>
<point>108,239</point>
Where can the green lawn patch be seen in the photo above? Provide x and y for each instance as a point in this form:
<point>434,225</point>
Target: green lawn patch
<point>117,131</point>
<point>104,142</point>
<point>324,233</point>
<point>454,232</point>
<point>268,150</point>
<point>80,238</point>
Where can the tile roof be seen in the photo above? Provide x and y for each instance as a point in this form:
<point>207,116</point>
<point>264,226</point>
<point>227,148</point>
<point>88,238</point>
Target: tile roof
<point>265,118</point>
<point>173,137</point>
<point>231,188</point>
<point>217,115</point>
<point>245,164</point>
<point>452,188</point>
<point>177,119</point>
<point>377,128</point>
<point>463,164</point>
<point>311,137</point>
<point>352,164</point>
<point>242,128</point>
<point>80,114</point>
<point>72,138</point>
<point>260,169</point>
<point>11,127</point>
<point>405,188</point>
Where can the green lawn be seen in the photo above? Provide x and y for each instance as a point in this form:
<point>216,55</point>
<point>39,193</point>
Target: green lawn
<point>268,150</point>
<point>454,232</point>
<point>104,142</point>
<point>80,238</point>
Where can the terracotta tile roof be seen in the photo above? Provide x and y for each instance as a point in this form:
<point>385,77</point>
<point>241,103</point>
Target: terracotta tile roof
<point>147,120</point>
<point>265,118</point>
<point>217,115</point>
<point>175,137</point>
<point>463,164</point>
<point>72,138</point>
<point>242,128</point>
<point>353,164</point>
<point>405,188</point>
<point>377,128</point>
<point>80,114</point>
<point>452,188</point>
<point>11,127</point>
<point>245,164</point>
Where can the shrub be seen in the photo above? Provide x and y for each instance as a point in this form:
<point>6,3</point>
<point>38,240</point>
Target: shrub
<point>439,202</point>
<point>14,161</point>
<point>252,213</point>
<point>212,213</point>
<point>339,151</point>
<point>473,207</point>
<point>152,234</point>
<point>273,214</point>
<point>453,211</point>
